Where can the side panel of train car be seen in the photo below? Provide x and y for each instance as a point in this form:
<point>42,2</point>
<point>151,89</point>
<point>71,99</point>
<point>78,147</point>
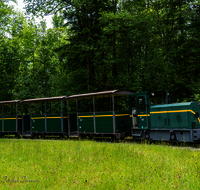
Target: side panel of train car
<point>49,124</point>
<point>11,125</point>
<point>38,123</point>
<point>53,123</point>
<point>168,122</point>
<point>86,122</point>
<point>103,123</point>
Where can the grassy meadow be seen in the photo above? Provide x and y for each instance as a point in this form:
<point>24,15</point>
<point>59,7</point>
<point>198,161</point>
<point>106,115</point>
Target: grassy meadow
<point>40,164</point>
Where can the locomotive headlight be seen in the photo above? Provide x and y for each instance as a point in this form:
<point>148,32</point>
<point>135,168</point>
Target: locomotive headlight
<point>152,94</point>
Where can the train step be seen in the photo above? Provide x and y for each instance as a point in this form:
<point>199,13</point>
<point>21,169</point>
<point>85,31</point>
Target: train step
<point>137,134</point>
<point>74,134</point>
<point>27,134</point>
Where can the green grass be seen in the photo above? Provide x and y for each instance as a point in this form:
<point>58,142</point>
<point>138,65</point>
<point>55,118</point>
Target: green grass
<point>94,165</point>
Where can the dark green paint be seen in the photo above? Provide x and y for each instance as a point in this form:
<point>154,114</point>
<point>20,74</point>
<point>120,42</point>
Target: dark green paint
<point>54,124</point>
<point>38,125</point>
<point>9,124</point>
<point>104,124</point>
<point>174,118</point>
<point>179,120</point>
<point>143,121</point>
<point>122,122</point>
<point>86,124</point>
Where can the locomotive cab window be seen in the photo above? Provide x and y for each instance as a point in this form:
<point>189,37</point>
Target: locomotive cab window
<point>141,103</point>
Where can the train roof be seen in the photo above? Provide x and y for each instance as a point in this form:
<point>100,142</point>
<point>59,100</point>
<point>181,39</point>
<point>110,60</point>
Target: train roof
<point>10,102</point>
<point>103,94</point>
<point>49,99</point>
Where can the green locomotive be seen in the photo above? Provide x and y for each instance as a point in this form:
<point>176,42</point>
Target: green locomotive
<point>152,119</point>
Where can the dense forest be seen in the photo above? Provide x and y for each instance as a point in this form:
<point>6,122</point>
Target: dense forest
<point>98,45</point>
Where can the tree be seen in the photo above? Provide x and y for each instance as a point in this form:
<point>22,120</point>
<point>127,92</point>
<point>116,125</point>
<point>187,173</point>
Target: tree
<point>126,44</point>
<point>7,54</point>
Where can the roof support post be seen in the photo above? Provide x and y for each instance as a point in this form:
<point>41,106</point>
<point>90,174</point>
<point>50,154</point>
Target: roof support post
<point>30,118</point>
<point>94,114</point>
<point>65,111</point>
<point>35,108</point>
<point>68,117</point>
<point>3,119</point>
<point>22,119</point>
<point>81,106</point>
<point>77,112</point>
<point>61,116</point>
<point>113,113</point>
<point>45,115</point>
<point>146,103</point>
<point>42,108</point>
<point>16,118</point>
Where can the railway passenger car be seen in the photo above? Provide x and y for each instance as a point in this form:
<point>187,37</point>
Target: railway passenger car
<point>101,114</point>
<point>44,116</point>
<point>11,118</point>
<point>154,120</point>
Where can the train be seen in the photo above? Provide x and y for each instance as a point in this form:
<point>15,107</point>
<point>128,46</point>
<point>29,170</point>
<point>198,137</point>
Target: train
<point>116,114</point>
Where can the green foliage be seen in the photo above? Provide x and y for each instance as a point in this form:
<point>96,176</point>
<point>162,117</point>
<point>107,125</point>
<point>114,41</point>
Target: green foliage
<point>197,97</point>
<point>100,45</point>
